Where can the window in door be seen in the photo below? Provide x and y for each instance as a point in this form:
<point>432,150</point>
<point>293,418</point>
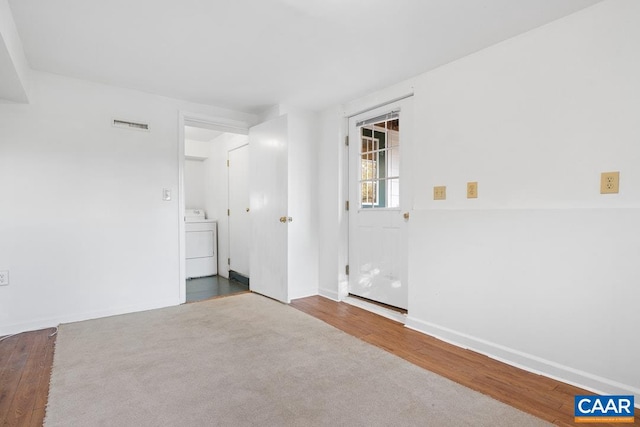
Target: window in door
<point>380,164</point>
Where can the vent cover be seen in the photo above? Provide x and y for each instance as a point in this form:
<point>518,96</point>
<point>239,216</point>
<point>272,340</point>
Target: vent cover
<point>130,125</point>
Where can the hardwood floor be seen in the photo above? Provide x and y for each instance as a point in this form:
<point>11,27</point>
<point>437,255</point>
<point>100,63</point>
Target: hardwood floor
<point>26,361</point>
<point>540,396</point>
<point>25,369</point>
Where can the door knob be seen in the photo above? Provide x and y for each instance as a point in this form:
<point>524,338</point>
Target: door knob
<point>283,219</point>
<point>405,215</point>
<point>247,209</point>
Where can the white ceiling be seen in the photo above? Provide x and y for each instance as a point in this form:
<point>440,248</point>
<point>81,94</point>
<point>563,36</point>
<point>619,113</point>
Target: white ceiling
<point>251,54</point>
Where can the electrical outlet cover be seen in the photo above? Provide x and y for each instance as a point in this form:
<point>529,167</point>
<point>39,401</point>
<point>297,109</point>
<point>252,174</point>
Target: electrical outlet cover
<point>609,182</point>
<point>4,278</point>
<point>472,190</point>
<point>440,192</point>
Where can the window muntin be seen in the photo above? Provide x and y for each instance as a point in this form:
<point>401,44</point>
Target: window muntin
<point>380,165</point>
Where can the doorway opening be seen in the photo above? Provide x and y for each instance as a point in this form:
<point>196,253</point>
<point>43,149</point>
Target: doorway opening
<point>206,235</point>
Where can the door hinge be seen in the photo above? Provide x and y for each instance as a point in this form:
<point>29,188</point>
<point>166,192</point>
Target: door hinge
<point>228,261</point>
<point>228,212</point>
<point>346,140</point>
<point>346,205</point>
<point>227,163</point>
<point>346,269</point>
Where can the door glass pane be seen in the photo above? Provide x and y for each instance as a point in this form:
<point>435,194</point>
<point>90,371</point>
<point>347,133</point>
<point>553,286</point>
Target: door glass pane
<point>380,165</point>
<point>394,162</point>
<point>393,186</point>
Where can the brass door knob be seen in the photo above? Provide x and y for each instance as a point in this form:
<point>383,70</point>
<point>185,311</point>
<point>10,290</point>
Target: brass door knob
<point>247,209</point>
<point>405,215</point>
<point>283,219</point>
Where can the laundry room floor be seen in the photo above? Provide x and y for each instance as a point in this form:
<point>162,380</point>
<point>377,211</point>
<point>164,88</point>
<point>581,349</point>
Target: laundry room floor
<point>213,286</point>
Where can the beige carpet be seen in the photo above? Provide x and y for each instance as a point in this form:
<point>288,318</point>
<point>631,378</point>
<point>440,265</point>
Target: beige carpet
<point>247,360</point>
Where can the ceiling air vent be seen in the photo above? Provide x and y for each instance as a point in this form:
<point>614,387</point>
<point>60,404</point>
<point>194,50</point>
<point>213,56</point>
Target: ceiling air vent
<point>130,125</point>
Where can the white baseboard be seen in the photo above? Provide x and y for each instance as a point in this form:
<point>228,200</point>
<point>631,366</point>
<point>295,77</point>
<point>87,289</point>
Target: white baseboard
<point>327,293</point>
<point>303,294</point>
<point>52,322</point>
<point>524,360</point>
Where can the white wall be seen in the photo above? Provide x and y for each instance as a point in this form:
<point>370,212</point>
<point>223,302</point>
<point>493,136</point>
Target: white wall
<point>196,150</point>
<point>217,191</point>
<point>194,184</point>
<point>14,68</point>
<point>332,218</point>
<point>541,270</point>
<point>84,230</point>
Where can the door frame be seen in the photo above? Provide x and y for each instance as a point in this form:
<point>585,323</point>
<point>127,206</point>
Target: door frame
<point>187,118</point>
<point>401,93</point>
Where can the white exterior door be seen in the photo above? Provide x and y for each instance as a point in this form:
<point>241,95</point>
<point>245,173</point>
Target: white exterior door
<point>239,224</point>
<point>268,178</point>
<point>379,203</point>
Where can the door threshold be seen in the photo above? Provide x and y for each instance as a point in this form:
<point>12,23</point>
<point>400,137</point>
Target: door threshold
<point>379,309</point>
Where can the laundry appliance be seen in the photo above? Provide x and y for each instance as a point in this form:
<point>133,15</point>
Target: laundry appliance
<point>201,244</point>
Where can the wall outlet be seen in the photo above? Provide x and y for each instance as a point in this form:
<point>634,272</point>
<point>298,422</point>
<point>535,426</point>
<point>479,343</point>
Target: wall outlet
<point>609,182</point>
<point>472,190</point>
<point>4,278</point>
<point>440,192</point>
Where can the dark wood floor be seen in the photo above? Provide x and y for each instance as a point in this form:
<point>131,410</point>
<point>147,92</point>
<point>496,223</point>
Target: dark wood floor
<point>26,360</point>
<point>25,369</point>
<point>540,396</point>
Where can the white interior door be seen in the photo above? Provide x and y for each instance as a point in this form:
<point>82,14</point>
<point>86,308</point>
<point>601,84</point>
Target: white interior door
<point>379,199</point>
<point>239,224</point>
<point>268,178</point>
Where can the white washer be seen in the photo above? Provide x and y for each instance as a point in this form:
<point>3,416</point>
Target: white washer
<point>201,243</point>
